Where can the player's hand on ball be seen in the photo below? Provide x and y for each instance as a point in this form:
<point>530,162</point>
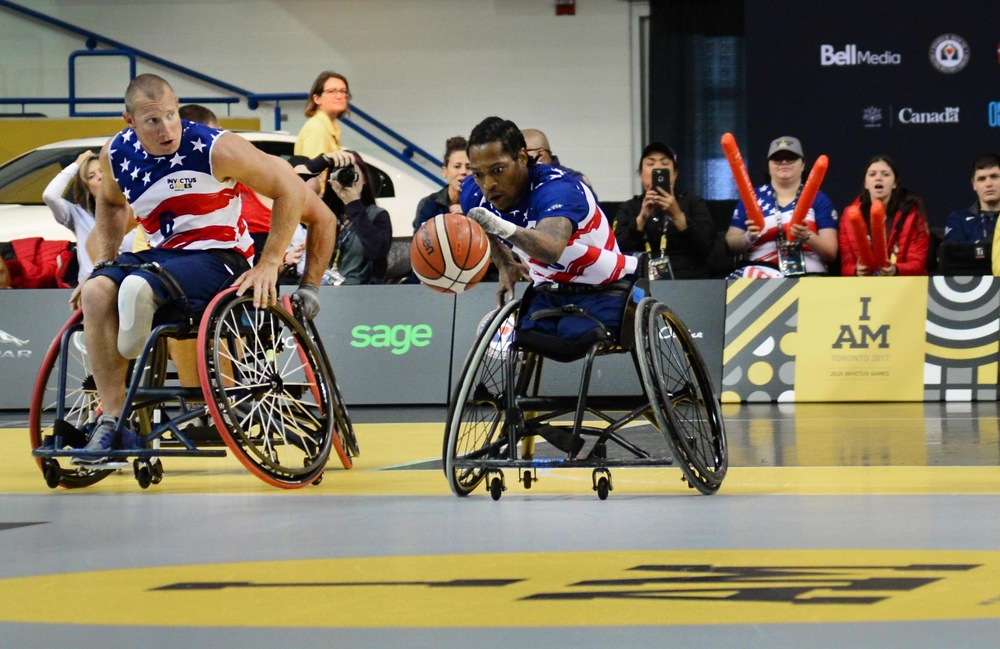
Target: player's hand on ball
<point>491,223</point>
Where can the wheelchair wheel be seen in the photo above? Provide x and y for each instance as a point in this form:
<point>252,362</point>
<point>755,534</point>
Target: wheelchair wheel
<point>268,390</point>
<point>345,442</point>
<point>476,414</point>
<point>684,402</point>
<point>79,398</point>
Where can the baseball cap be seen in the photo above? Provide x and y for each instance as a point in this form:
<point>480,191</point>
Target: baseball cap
<point>785,143</point>
<point>659,147</point>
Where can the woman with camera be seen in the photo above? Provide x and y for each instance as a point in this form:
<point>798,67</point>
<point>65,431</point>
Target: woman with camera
<point>365,233</point>
<point>675,228</point>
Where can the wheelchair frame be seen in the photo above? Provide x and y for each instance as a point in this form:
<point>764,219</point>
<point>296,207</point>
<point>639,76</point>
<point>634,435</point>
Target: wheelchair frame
<point>496,404</point>
<point>266,386</point>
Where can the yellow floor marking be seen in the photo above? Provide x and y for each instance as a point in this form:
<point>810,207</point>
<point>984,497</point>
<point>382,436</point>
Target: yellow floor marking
<point>393,445</point>
<point>565,589</point>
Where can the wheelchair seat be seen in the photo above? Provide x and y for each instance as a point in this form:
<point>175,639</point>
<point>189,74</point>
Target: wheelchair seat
<point>604,338</point>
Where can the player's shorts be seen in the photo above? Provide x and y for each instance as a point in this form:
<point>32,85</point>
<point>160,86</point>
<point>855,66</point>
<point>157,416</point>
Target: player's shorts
<point>606,307</point>
<point>201,274</point>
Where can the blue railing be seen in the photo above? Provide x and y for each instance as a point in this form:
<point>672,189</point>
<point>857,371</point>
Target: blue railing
<point>407,155</point>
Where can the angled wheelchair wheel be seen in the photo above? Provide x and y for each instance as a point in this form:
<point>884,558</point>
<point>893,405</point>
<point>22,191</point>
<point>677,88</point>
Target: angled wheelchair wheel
<point>78,396</point>
<point>684,402</point>
<point>476,414</point>
<point>345,442</point>
<point>268,390</point>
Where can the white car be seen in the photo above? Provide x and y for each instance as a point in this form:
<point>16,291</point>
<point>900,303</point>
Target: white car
<point>24,178</point>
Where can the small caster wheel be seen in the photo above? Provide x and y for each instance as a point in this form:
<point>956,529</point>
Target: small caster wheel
<point>142,474</point>
<point>319,479</point>
<point>51,474</point>
<point>602,488</point>
<point>527,478</point>
<point>496,488</point>
<point>156,472</point>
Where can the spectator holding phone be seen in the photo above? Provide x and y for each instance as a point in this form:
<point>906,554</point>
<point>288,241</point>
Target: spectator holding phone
<point>674,227</point>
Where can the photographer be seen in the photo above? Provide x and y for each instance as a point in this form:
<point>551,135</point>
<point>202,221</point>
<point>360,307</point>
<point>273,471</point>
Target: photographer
<point>365,228</point>
<point>675,228</point>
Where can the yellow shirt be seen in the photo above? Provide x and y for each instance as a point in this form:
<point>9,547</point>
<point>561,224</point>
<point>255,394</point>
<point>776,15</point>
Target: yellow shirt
<point>319,134</point>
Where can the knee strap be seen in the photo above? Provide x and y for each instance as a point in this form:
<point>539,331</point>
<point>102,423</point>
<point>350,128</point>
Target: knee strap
<point>137,302</point>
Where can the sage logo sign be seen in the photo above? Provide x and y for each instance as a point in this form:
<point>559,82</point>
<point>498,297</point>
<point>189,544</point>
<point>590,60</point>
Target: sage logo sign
<point>400,338</point>
<point>851,55</point>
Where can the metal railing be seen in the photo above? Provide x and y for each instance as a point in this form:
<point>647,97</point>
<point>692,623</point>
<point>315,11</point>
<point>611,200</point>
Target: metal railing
<point>406,151</point>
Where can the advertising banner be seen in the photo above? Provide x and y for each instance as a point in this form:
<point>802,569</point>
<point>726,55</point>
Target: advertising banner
<point>916,84</point>
<point>860,339</point>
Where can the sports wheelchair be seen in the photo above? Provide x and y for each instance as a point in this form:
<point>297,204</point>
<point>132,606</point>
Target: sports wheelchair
<point>267,393</point>
<point>496,410</point>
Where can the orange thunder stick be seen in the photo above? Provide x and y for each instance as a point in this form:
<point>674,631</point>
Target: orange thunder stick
<point>860,232</point>
<point>808,195</point>
<point>742,179</point>
<point>879,249</point>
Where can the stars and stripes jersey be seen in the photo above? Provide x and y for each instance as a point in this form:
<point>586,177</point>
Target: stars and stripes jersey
<point>591,255</point>
<point>177,200</point>
<point>820,216</point>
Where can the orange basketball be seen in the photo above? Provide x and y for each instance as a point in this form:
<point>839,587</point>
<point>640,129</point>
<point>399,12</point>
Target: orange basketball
<point>450,253</point>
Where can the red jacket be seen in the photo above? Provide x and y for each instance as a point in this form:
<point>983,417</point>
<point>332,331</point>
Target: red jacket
<point>907,241</point>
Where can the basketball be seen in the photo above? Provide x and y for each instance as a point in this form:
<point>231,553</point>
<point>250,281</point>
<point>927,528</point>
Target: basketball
<point>450,253</point>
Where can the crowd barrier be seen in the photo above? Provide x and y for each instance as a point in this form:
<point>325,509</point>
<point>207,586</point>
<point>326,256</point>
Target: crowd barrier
<point>787,340</point>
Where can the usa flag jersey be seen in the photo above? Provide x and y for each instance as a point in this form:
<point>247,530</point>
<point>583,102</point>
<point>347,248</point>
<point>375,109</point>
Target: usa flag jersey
<point>591,255</point>
<point>176,199</point>
<point>821,215</point>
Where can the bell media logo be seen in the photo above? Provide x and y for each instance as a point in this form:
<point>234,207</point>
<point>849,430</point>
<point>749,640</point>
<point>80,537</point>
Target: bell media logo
<point>949,53</point>
<point>851,55</point>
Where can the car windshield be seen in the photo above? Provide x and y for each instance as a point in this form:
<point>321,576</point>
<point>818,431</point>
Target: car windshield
<point>23,180</point>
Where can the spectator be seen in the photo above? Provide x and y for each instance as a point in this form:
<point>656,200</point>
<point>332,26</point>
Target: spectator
<point>907,237</point>
<point>365,228</point>
<point>202,241</point>
<point>455,169</point>
<point>539,151</point>
<point>78,215</point>
<point>675,228</point>
<point>977,223</point>
<point>328,100</point>
<point>780,248</point>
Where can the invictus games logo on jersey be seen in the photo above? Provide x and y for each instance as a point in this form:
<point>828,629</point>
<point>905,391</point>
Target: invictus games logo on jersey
<point>872,117</point>
<point>180,184</point>
<point>851,55</point>
<point>949,53</point>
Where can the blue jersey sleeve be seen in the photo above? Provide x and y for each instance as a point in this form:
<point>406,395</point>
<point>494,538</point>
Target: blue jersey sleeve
<point>826,214</point>
<point>561,196</point>
<point>471,196</point>
<point>739,219</point>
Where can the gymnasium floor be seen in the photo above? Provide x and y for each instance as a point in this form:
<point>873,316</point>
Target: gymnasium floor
<point>869,525</point>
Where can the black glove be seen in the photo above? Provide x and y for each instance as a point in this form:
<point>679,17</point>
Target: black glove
<point>308,296</point>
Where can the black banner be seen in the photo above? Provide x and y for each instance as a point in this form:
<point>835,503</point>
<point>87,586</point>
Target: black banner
<point>854,79</point>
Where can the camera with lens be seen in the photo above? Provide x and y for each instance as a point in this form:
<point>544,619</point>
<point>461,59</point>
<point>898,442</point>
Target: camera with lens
<point>346,176</point>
